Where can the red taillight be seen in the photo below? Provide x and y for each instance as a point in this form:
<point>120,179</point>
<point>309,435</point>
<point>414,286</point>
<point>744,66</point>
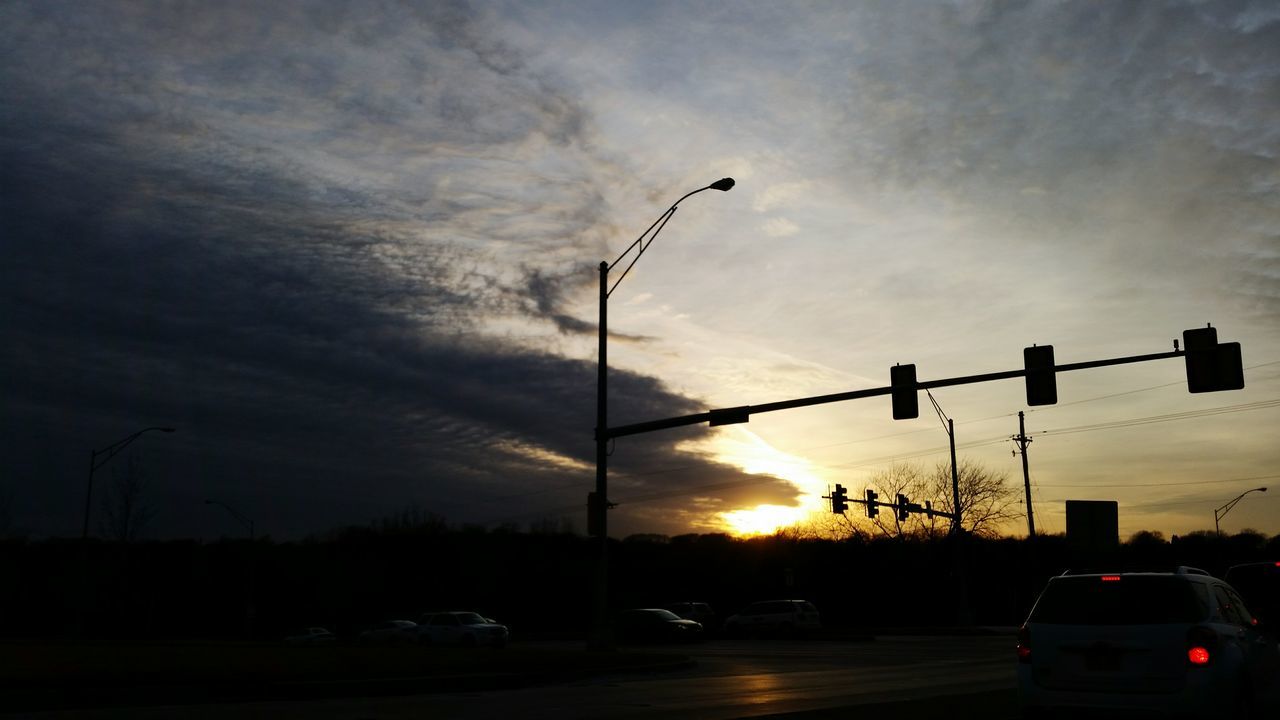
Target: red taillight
<point>1201,643</point>
<point>1110,578</point>
<point>1024,645</point>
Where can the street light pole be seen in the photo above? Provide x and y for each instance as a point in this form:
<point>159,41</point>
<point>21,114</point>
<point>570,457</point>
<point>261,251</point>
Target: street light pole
<point>108,452</point>
<point>601,637</point>
<point>1222,511</point>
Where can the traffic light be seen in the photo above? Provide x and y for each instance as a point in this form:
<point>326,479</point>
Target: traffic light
<point>839,500</point>
<point>872,508</point>
<point>903,512</point>
<point>1211,365</point>
<point>1042,384</point>
<point>905,401</point>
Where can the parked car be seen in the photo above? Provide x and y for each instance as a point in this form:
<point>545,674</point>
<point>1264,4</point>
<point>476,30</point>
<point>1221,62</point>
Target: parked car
<point>1259,585</point>
<point>1133,643</point>
<point>389,632</point>
<point>775,617</point>
<point>462,628</point>
<point>698,612</point>
<point>311,636</point>
<point>655,625</point>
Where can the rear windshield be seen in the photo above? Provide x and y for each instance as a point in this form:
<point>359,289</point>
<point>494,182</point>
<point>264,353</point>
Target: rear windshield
<point>1131,600</point>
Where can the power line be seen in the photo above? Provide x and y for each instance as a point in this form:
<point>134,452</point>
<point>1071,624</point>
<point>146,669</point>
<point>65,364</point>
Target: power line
<point>1131,392</point>
<point>1172,484</point>
<point>1151,419</point>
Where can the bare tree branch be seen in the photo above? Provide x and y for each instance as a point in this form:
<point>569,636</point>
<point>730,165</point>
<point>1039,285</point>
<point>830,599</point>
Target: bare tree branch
<point>124,509</point>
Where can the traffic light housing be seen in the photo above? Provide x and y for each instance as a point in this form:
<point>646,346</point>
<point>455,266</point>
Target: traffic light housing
<point>903,512</point>
<point>906,403</point>
<point>839,500</point>
<point>1211,366</point>
<point>1042,384</point>
<point>873,509</point>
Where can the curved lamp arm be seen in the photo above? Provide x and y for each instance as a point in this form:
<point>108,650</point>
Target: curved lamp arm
<point>723,185</point>
<point>114,448</point>
<point>1222,511</point>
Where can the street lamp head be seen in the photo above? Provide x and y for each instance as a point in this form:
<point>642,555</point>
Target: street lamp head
<point>723,184</point>
<point>168,429</point>
<point>1262,489</point>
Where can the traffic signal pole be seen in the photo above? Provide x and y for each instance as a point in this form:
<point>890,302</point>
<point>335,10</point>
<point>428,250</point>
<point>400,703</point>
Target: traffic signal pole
<point>743,413</point>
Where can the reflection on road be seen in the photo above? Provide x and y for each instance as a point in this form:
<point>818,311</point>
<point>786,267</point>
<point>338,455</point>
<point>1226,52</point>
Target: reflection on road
<point>730,680</point>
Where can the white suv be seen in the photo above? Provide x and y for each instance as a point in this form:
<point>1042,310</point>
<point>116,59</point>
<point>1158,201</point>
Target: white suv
<point>1162,643</point>
<point>790,617</point>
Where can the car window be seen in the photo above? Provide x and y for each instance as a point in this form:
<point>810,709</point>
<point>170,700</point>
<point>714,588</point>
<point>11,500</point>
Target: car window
<point>470,619</point>
<point>1131,600</point>
<point>808,607</point>
<point>444,620</point>
<point>1226,610</point>
<point>1229,607</point>
<point>1245,616</point>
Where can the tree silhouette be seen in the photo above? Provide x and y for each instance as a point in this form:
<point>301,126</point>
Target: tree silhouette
<point>900,478</point>
<point>987,500</point>
<point>124,509</point>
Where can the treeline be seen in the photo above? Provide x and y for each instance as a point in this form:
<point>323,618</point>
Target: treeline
<point>539,582</point>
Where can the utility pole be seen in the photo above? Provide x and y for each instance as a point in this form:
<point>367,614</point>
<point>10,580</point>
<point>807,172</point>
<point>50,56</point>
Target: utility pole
<point>950,426</point>
<point>1023,441</point>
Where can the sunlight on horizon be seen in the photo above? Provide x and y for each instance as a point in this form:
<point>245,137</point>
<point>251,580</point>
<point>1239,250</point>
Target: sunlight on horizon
<point>744,449</point>
<point>762,519</point>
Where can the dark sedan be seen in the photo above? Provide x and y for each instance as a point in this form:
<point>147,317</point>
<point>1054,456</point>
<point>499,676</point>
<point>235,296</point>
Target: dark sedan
<point>654,625</point>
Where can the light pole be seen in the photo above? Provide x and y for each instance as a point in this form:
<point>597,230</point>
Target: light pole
<point>601,638</point>
<point>108,452</point>
<point>1222,511</point>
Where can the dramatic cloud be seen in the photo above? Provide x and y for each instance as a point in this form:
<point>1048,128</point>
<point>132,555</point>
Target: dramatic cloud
<point>350,250</point>
<point>281,231</point>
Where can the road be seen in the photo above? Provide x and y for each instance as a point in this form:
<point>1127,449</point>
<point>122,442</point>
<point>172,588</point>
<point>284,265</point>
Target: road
<point>728,680</point>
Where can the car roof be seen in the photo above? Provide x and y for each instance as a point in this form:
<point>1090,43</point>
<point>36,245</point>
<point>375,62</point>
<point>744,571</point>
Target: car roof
<point>1252,565</point>
<point>1181,571</point>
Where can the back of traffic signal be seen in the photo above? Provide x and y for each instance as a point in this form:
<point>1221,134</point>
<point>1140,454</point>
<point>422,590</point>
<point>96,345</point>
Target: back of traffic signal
<point>1211,366</point>
<point>871,501</point>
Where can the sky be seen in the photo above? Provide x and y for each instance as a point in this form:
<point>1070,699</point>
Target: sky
<point>349,251</point>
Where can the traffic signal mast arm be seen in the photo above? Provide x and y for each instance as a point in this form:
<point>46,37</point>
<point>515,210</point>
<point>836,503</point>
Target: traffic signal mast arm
<point>840,499</point>
<point>743,413</point>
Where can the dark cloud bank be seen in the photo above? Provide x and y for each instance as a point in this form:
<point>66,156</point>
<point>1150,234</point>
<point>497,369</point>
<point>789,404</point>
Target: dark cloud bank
<point>169,261</point>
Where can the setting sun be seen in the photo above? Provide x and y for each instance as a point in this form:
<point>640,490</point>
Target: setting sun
<point>762,519</point>
<point>746,450</point>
